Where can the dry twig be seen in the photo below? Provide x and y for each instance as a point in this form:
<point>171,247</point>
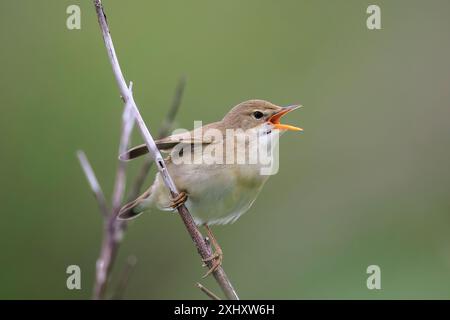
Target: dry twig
<point>93,183</point>
<point>113,228</point>
<point>202,248</point>
<point>208,292</point>
<point>164,131</point>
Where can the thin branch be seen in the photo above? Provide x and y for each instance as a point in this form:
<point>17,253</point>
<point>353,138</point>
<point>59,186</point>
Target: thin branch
<point>208,292</point>
<point>202,248</point>
<point>164,131</point>
<point>93,183</point>
<point>125,278</point>
<point>173,110</point>
<point>127,128</point>
<point>113,228</point>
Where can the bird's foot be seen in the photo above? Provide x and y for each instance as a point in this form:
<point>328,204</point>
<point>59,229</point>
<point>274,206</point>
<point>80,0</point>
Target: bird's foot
<point>216,261</point>
<point>179,200</point>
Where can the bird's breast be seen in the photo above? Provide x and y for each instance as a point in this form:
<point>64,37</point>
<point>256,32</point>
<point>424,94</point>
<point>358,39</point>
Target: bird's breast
<point>218,194</point>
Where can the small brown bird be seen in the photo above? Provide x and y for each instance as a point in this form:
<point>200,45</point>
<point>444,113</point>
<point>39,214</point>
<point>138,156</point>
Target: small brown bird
<point>212,167</point>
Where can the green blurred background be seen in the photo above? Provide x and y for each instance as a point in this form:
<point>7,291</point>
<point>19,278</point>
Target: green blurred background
<point>367,183</point>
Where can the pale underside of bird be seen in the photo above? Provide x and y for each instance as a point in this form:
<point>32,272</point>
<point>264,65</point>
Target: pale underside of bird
<point>214,189</point>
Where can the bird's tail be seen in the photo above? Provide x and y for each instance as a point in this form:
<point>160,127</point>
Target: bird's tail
<point>134,208</point>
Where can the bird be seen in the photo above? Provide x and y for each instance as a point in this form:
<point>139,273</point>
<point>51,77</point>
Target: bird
<point>210,167</point>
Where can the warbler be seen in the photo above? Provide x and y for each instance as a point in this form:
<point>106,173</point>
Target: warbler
<point>212,168</point>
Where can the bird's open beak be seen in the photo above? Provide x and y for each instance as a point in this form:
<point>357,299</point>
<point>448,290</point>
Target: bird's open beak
<point>275,119</point>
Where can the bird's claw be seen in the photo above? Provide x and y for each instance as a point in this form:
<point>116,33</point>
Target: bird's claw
<point>216,259</point>
<point>179,200</point>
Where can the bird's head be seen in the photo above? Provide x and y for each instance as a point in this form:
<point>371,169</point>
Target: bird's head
<point>258,113</point>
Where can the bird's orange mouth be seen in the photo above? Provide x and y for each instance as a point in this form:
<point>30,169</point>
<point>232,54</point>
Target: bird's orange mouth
<point>275,119</point>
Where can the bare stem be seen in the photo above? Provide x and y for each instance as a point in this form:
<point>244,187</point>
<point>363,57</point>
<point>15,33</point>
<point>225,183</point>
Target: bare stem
<point>127,128</point>
<point>173,110</point>
<point>93,182</point>
<point>208,292</point>
<point>164,130</point>
<point>202,248</point>
<point>113,228</point>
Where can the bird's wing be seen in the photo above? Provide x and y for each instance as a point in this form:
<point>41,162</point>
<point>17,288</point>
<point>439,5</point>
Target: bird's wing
<point>166,144</point>
<point>132,209</point>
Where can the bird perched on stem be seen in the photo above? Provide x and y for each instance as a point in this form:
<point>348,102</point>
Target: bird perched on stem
<point>219,168</point>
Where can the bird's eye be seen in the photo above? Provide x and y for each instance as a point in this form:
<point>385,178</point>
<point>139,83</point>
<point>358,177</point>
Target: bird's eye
<point>258,114</point>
